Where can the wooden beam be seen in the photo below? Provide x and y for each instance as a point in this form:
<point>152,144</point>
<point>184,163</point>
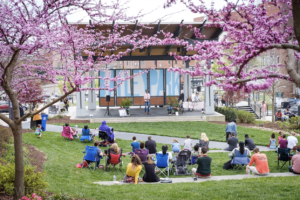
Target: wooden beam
<point>217,34</point>
<point>156,31</point>
<point>131,46</point>
<point>176,34</point>
<point>201,29</point>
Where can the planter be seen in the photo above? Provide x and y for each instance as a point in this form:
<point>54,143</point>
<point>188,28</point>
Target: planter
<point>177,113</point>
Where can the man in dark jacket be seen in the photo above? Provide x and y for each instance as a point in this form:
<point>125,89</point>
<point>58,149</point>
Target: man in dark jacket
<point>249,143</point>
<point>150,145</point>
<point>232,141</point>
<point>204,165</point>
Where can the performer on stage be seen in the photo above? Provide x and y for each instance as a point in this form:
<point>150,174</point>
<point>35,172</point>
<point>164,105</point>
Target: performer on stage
<point>197,97</point>
<point>147,102</point>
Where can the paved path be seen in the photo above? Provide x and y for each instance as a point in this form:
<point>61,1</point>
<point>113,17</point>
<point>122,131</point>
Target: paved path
<point>144,137</point>
<point>213,178</point>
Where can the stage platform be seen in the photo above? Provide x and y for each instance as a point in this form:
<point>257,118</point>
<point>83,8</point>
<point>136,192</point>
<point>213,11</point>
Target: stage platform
<point>157,114</point>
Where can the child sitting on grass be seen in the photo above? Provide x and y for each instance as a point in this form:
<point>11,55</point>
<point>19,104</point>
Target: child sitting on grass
<point>38,131</point>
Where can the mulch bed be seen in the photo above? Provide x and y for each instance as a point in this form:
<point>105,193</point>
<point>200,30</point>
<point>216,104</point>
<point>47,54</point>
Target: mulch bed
<point>65,119</point>
<point>270,125</point>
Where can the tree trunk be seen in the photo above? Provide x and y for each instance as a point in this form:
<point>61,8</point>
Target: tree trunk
<point>19,163</point>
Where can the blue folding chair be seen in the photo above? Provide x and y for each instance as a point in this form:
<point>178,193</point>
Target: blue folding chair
<point>240,160</point>
<point>85,135</point>
<point>90,155</point>
<point>162,163</point>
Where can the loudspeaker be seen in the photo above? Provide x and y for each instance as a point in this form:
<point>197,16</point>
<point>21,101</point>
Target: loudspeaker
<point>107,98</point>
<point>199,88</point>
<point>298,110</point>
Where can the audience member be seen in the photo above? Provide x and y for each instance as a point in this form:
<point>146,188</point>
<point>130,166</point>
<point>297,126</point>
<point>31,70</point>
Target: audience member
<point>295,168</point>
<point>175,146</point>
<point>279,138</point>
<point>104,127</point>
<point>272,144</point>
<point>249,143</point>
<point>230,128</point>
<point>278,116</point>
<point>86,131</point>
<point>196,152</point>
<point>135,144</point>
<point>204,165</point>
<point>142,145</point>
<point>292,141</point>
<point>261,163</point>
<point>38,131</point>
<point>164,149</point>
<point>188,143</point>
<point>242,150</point>
<point>98,156</point>
<point>283,142</point>
<point>204,141</point>
<point>114,149</point>
<point>232,141</point>
<point>150,175</point>
<point>286,115</point>
<point>133,170</point>
<point>150,145</point>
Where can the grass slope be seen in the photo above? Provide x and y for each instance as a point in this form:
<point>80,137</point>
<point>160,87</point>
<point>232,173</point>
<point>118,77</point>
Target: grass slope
<point>63,177</point>
<point>215,132</point>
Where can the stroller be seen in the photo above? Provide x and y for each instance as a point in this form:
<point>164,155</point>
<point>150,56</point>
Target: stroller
<point>180,166</point>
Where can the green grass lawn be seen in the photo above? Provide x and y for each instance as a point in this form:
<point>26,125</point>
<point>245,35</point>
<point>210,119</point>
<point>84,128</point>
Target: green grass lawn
<point>63,177</point>
<point>215,132</point>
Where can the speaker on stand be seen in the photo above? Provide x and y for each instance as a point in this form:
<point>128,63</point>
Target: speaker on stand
<point>107,108</point>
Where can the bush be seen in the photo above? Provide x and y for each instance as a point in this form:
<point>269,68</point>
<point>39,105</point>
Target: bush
<point>61,197</point>
<point>33,181</point>
<point>229,113</point>
<point>245,117</point>
<point>5,138</point>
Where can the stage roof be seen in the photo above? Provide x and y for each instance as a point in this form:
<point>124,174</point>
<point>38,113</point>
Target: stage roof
<point>161,52</point>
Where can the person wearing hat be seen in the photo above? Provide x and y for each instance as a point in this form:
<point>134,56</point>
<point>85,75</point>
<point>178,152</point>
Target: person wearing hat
<point>231,127</point>
<point>197,97</point>
<point>295,168</point>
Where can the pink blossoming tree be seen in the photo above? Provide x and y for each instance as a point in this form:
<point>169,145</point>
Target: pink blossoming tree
<point>34,30</point>
<point>255,33</point>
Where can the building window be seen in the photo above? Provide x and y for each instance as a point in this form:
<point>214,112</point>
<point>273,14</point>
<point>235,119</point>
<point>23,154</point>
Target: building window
<point>142,62</point>
<point>169,62</point>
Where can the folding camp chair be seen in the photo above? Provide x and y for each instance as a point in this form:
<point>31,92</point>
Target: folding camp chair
<point>90,156</point>
<point>240,161</point>
<point>142,153</point>
<point>114,159</point>
<point>162,164</point>
<point>85,135</point>
<point>283,157</point>
<point>104,136</point>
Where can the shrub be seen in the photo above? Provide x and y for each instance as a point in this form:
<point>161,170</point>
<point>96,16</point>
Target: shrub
<point>294,122</point>
<point>229,113</point>
<point>5,138</point>
<point>33,181</point>
<point>245,117</point>
<point>61,197</point>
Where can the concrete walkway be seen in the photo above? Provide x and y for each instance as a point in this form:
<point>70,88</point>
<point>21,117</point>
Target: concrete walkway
<point>144,137</point>
<point>200,180</point>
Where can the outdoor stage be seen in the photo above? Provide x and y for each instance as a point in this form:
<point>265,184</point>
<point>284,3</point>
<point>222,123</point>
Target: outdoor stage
<point>157,114</point>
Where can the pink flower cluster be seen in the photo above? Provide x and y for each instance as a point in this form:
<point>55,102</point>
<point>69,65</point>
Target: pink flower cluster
<point>34,197</point>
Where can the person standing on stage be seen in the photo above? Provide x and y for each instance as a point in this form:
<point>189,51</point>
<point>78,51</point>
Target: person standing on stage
<point>147,102</point>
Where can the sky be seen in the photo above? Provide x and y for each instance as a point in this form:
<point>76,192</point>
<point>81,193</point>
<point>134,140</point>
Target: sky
<point>155,11</point>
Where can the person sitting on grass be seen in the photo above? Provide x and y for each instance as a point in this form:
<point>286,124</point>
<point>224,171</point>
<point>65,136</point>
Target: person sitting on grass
<point>243,151</point>
<point>295,168</point>
<point>87,132</point>
<point>232,142</point>
<point>204,141</point>
<point>204,165</point>
<point>135,144</point>
<point>188,143</point>
<point>272,144</point>
<point>278,116</point>
<point>175,146</point>
<point>150,175</point>
<point>292,141</point>
<point>249,143</point>
<point>196,152</point>
<point>283,142</point>
<point>261,164</point>
<point>150,145</point>
<point>38,131</point>
<point>133,170</point>
<point>98,156</point>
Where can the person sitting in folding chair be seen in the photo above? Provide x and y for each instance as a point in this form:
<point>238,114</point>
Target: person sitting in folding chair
<point>109,131</point>
<point>142,152</point>
<point>240,156</point>
<point>98,156</point>
<point>295,168</point>
<point>68,132</point>
<point>87,134</point>
<point>204,165</point>
<point>114,154</point>
<point>163,161</point>
<point>150,175</point>
<point>261,164</point>
<point>133,170</point>
<point>283,156</point>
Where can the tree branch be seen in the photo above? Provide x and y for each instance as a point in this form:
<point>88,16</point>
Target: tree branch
<point>261,77</point>
<point>6,120</point>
